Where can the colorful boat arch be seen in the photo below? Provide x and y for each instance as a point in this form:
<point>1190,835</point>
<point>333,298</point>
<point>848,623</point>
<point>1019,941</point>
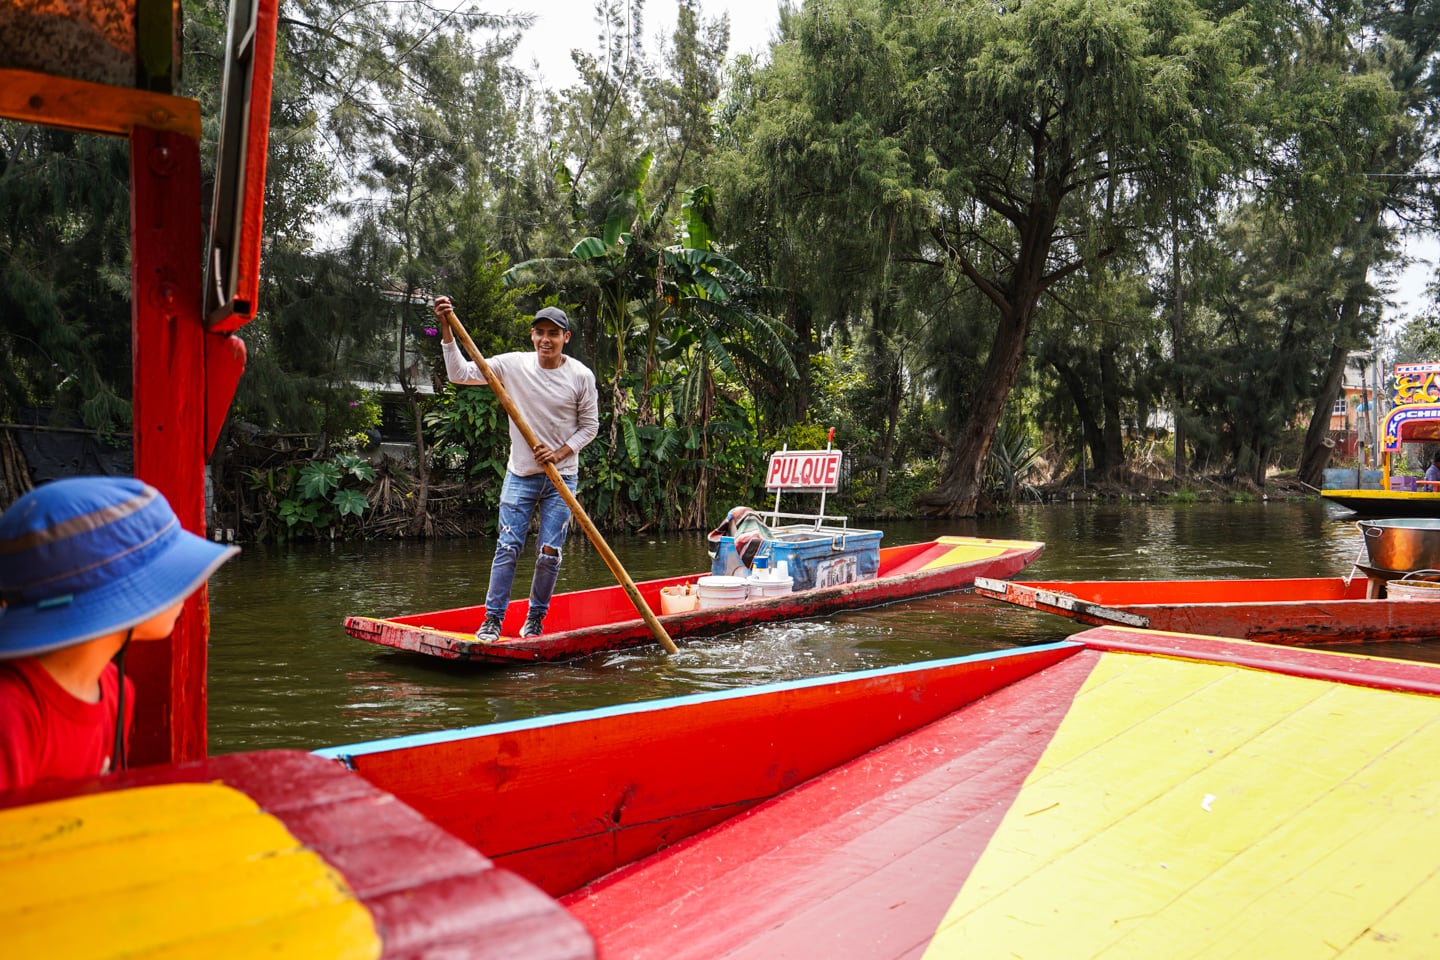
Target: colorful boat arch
<point>1415,414</point>
<point>1417,424</point>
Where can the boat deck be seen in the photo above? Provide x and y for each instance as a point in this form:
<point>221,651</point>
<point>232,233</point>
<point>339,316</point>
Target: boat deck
<point>1117,804</point>
<point>276,854</point>
<point>1297,612</point>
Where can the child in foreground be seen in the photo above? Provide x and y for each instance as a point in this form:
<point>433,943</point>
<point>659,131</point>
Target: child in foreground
<point>87,565</point>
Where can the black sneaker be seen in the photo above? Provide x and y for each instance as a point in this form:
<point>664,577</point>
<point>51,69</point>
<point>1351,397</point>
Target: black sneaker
<point>534,626</point>
<point>489,631</point>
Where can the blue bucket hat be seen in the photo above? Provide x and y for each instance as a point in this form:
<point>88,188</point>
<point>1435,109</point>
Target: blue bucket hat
<point>86,557</point>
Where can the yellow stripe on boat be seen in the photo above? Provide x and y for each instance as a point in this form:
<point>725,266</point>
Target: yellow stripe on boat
<point>173,870</point>
<point>968,550</point>
<point>1238,813</point>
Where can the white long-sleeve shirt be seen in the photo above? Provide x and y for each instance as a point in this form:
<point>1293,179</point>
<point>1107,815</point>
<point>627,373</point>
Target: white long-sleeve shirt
<point>560,405</point>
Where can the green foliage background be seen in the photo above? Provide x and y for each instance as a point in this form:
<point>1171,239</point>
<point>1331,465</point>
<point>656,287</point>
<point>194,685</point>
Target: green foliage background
<point>997,249</point>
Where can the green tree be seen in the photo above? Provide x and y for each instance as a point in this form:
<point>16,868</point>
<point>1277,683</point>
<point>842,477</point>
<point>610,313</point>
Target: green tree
<point>1059,130</point>
<point>65,276</point>
<point>1367,131</point>
<point>1003,149</point>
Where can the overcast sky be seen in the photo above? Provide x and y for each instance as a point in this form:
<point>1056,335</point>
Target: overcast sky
<point>563,25</point>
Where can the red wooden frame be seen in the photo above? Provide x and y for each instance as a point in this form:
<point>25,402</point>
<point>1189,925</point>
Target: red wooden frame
<point>169,391</point>
<point>238,207</point>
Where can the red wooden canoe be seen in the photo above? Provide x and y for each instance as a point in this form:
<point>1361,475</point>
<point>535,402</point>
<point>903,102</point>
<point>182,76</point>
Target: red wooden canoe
<point>1295,612</point>
<point>1122,792</point>
<point>591,621</point>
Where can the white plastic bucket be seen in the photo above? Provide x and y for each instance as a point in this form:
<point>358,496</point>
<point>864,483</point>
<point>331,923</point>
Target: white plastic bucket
<point>1412,590</point>
<point>678,599</point>
<point>773,587</point>
<point>719,591</point>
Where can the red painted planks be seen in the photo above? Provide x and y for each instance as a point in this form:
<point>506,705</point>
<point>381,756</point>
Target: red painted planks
<point>599,791</point>
<point>1304,623</point>
<point>1127,593</point>
<point>1402,675</point>
<point>860,862</point>
<point>496,912</point>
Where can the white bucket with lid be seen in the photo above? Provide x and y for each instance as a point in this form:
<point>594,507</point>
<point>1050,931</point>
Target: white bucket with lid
<point>761,587</point>
<point>718,591</point>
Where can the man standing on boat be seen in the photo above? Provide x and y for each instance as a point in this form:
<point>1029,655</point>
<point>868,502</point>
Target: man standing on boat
<point>1433,473</point>
<point>556,395</point>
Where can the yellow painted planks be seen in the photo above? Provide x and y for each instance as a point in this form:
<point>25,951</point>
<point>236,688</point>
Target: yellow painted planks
<point>90,820</point>
<point>1200,810</point>
<point>967,550</point>
<point>174,870</point>
<point>114,866</point>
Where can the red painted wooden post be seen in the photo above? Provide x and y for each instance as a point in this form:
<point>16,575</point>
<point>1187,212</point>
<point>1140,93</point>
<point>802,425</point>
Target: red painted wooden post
<point>169,410</point>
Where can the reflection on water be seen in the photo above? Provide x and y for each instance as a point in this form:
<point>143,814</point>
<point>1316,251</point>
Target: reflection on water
<point>283,673</point>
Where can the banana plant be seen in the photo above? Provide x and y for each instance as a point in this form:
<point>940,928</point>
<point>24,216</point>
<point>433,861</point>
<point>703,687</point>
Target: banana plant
<point>679,314</point>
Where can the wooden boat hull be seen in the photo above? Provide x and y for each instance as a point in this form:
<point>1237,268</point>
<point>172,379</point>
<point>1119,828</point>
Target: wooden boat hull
<point>1386,503</point>
<point>590,621</point>
<point>270,854</point>
<point>1295,612</point>
<point>1120,791</point>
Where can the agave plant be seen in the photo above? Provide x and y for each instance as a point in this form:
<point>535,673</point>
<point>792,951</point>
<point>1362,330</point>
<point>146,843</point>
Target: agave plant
<point>1011,462</point>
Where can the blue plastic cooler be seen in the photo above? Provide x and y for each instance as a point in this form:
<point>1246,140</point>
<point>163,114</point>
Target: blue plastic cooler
<point>823,557</point>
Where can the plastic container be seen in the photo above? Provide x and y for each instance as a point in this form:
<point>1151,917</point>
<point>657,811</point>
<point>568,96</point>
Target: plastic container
<point>678,599</point>
<point>718,591</point>
<point>727,560</point>
<point>826,557</point>
<point>1412,590</point>
<point>771,587</point>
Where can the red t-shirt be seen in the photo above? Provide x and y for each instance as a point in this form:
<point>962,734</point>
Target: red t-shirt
<point>47,734</point>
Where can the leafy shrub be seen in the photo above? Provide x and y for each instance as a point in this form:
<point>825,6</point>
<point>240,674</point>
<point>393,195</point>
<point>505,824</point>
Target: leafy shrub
<point>301,502</point>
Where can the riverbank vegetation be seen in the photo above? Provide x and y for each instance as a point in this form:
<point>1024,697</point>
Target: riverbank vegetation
<point>1005,252</point>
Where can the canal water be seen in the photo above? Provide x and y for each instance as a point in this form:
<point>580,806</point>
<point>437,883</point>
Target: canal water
<point>283,673</point>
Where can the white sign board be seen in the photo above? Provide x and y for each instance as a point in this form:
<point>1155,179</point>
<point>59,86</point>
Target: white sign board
<point>812,471</point>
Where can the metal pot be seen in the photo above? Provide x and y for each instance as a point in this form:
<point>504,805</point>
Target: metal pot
<point>1404,544</point>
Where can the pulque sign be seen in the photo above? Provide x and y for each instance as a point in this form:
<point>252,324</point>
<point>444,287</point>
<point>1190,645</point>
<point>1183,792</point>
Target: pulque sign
<point>804,470</point>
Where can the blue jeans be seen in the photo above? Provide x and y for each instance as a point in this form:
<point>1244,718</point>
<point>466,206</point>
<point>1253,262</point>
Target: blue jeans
<point>520,497</point>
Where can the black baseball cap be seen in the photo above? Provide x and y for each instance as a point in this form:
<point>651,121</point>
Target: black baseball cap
<point>555,315</point>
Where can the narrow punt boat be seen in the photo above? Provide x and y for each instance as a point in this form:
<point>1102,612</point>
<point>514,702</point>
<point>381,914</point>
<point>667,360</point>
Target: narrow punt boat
<point>1122,792</point>
<point>1306,611</point>
<point>590,621</point>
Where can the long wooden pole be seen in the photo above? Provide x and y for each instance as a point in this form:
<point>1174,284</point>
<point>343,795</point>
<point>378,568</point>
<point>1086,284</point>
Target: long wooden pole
<point>583,518</point>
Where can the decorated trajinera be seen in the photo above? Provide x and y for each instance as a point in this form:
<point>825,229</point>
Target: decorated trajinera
<point>1414,418</point>
<point>765,568</point>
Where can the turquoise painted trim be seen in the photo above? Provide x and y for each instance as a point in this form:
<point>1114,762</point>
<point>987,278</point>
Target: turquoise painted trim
<point>344,752</point>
